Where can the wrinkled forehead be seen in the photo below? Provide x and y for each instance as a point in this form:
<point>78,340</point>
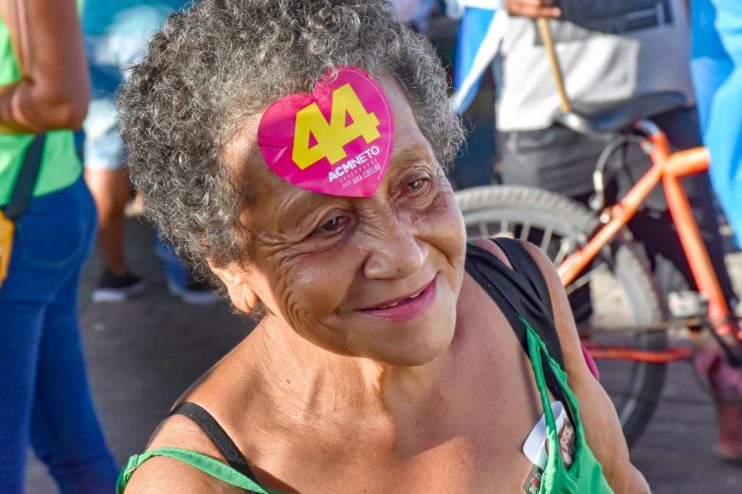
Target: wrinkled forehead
<point>245,163</point>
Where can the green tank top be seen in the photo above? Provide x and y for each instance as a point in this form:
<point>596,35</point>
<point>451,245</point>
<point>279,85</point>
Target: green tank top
<point>60,166</point>
<point>583,476</point>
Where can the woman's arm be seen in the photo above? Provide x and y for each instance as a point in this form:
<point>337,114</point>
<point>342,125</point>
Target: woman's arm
<point>54,91</point>
<point>598,415</point>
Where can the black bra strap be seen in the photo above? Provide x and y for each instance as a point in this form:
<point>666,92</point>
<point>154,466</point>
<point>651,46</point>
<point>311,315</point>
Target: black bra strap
<point>218,436</point>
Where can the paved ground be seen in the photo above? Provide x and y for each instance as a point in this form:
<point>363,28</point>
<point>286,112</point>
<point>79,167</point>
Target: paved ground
<point>141,355</point>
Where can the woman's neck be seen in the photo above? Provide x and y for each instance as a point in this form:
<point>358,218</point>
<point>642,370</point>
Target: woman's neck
<point>300,390</point>
<point>313,382</point>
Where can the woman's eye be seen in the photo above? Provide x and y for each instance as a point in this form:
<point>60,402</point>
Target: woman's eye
<point>417,184</point>
<point>334,225</point>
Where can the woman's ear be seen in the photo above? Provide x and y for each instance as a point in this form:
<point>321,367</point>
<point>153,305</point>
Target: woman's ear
<point>236,280</point>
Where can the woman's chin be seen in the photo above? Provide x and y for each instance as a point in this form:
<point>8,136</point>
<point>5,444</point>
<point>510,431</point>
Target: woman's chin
<point>418,349</point>
<point>415,342</point>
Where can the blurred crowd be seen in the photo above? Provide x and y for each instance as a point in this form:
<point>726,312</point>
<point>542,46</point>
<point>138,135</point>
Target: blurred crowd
<point>62,62</point>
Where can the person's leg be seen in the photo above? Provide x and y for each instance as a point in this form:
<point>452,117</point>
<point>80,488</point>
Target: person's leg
<point>20,327</point>
<point>659,233</point>
<point>65,433</point>
<point>653,225</point>
<point>180,279</point>
<point>559,160</point>
<point>50,242</point>
<point>105,174</point>
<point>683,131</point>
<point>110,189</point>
<point>723,137</point>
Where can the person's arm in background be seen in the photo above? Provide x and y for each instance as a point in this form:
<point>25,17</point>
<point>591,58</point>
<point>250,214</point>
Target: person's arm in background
<point>532,8</point>
<point>55,88</point>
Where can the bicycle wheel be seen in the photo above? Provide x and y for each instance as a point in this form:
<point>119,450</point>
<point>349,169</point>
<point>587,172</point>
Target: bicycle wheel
<point>611,299</point>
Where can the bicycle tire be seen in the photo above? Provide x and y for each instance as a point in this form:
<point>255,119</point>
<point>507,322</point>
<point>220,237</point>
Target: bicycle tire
<point>516,209</point>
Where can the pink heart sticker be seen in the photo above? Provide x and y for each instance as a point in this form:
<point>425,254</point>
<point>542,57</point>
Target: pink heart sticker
<point>337,140</point>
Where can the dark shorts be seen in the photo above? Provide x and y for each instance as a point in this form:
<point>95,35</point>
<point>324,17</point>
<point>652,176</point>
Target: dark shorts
<point>562,160</point>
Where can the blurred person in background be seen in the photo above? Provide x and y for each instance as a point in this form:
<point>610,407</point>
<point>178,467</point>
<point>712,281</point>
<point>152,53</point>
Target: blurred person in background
<point>474,164</point>
<point>116,35</point>
<point>474,96</point>
<point>717,76</point>
<point>44,391</point>
<point>609,52</point>
<point>414,13</point>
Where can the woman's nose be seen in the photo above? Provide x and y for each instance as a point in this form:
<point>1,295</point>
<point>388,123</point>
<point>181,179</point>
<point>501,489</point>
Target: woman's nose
<point>395,252</point>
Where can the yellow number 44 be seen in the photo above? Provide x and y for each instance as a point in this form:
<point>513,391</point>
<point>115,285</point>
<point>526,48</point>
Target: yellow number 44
<point>331,138</point>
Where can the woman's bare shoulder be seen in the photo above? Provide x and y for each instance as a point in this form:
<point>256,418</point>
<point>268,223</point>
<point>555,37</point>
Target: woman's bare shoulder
<point>164,474</point>
<point>220,391</point>
<point>493,248</point>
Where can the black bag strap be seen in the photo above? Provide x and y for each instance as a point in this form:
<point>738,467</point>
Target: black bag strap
<point>516,297</point>
<point>217,434</point>
<point>539,311</point>
<point>526,292</point>
<point>20,198</point>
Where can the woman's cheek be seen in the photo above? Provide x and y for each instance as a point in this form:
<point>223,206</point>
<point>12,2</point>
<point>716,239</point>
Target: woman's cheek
<point>316,288</point>
<point>444,222</point>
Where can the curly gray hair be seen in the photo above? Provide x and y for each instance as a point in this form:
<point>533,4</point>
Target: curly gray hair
<point>221,61</point>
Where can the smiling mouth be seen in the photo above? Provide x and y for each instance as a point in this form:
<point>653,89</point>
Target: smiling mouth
<point>402,301</point>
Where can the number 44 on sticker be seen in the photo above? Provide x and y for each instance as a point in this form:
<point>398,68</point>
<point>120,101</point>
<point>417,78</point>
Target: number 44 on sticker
<point>330,138</point>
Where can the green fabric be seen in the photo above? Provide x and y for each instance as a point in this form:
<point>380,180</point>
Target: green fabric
<point>585,475</point>
<point>206,464</point>
<point>60,166</point>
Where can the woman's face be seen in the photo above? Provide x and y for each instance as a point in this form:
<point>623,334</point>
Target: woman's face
<point>374,277</point>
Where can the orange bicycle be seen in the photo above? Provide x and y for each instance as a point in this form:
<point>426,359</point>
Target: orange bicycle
<point>629,329</point>
<point>623,322</point>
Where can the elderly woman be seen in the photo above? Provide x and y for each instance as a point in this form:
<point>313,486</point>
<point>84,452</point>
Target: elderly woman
<point>297,150</point>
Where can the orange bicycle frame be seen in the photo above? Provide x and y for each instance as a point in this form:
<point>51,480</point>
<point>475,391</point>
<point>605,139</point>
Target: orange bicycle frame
<point>668,168</point>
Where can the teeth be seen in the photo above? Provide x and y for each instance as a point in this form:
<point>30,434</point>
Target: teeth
<point>413,297</point>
